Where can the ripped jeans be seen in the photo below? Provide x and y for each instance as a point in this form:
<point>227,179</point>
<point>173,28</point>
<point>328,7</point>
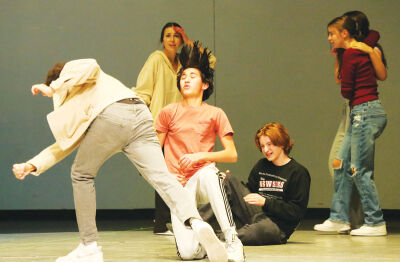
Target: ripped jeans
<point>368,120</point>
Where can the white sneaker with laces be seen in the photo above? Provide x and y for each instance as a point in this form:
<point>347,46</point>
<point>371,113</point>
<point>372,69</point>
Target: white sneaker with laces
<point>84,253</point>
<point>332,226</point>
<point>215,249</point>
<point>370,231</point>
<point>234,248</point>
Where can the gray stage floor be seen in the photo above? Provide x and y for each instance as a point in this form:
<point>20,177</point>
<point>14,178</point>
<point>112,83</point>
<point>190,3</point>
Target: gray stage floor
<point>140,244</point>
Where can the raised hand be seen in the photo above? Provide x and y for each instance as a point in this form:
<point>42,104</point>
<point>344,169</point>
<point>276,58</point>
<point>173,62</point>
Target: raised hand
<point>182,32</point>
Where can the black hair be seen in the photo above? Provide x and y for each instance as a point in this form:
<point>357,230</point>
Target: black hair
<point>361,23</point>
<point>362,26</point>
<point>193,57</point>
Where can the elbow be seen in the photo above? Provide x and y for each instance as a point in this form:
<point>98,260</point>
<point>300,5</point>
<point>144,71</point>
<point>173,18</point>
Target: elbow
<point>229,157</point>
<point>347,93</point>
<point>382,77</point>
<point>234,157</point>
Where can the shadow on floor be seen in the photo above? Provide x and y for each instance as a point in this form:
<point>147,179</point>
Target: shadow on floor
<point>45,221</point>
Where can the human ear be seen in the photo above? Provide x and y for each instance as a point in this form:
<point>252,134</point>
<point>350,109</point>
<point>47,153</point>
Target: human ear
<point>344,33</point>
<point>205,86</point>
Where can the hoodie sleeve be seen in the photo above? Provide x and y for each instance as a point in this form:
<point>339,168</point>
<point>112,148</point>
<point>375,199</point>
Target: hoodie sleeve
<point>372,38</point>
<point>75,74</point>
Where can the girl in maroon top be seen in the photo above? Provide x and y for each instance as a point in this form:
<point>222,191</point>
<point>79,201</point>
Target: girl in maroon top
<point>370,40</point>
<point>355,160</point>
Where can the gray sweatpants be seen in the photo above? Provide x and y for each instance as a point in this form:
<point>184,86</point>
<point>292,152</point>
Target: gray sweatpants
<point>126,128</point>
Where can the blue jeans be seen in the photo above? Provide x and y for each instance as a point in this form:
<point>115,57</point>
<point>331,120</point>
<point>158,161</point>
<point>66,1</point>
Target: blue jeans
<point>368,120</point>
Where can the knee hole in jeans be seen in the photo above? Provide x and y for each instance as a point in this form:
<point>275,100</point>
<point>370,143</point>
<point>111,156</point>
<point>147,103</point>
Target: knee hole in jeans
<point>337,163</point>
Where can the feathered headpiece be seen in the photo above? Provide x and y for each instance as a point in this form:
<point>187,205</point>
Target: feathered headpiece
<point>194,57</point>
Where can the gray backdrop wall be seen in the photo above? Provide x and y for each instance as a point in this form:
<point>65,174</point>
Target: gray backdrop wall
<point>273,64</point>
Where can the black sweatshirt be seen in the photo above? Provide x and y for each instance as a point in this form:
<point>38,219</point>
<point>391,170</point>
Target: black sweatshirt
<point>286,189</point>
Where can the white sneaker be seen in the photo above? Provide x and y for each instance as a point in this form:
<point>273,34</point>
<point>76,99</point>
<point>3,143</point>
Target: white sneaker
<point>205,234</point>
<point>89,253</point>
<point>370,231</point>
<point>234,248</point>
<point>332,226</point>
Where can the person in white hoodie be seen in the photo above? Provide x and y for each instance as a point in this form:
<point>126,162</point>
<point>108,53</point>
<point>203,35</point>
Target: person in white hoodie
<point>99,114</point>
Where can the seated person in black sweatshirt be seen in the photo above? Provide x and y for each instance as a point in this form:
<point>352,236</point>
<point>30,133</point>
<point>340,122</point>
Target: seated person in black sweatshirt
<point>270,206</point>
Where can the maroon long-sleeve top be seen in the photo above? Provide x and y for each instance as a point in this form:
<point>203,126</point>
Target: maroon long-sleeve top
<point>358,79</point>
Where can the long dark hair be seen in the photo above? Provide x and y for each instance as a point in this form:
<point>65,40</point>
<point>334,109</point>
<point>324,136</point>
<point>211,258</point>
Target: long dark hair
<point>362,26</point>
<point>361,23</point>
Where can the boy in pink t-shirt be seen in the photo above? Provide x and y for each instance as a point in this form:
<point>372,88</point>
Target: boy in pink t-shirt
<point>192,130</point>
<point>187,131</point>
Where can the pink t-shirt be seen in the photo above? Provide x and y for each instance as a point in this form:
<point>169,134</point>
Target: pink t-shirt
<point>190,130</point>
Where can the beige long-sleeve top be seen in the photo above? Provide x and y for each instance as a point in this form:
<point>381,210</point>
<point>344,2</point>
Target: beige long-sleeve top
<point>82,92</point>
<point>156,83</point>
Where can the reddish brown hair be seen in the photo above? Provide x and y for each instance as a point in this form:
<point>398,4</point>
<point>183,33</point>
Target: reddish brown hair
<point>277,133</point>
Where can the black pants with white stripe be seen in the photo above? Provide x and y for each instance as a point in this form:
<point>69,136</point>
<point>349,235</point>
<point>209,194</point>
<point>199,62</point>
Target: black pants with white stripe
<point>254,227</point>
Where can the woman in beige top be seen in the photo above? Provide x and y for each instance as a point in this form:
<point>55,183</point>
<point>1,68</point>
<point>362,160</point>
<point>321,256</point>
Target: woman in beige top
<point>156,83</point>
